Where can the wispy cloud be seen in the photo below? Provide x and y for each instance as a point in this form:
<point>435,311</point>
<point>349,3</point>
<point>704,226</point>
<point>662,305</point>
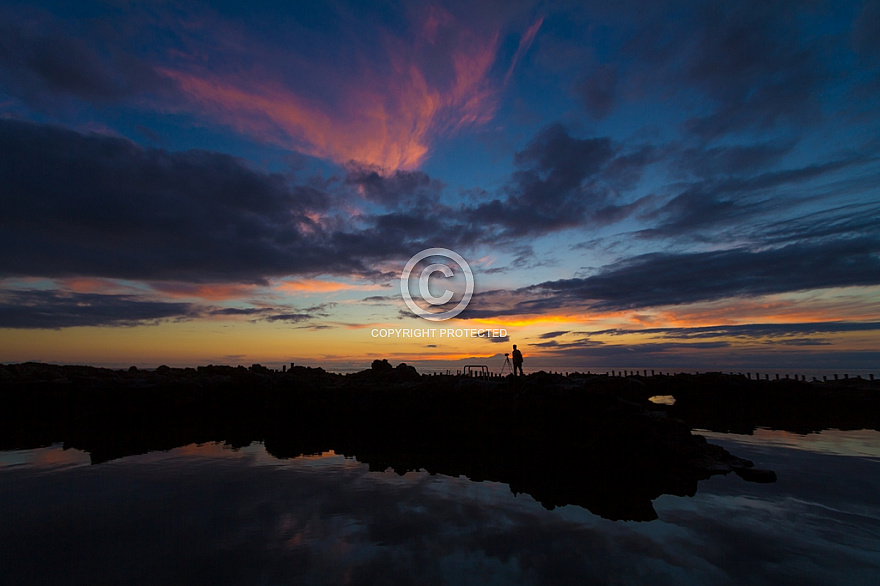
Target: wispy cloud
<point>319,286</point>
<point>524,43</point>
<point>387,114</point>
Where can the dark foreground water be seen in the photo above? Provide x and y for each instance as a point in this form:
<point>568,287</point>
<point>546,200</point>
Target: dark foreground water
<point>208,514</point>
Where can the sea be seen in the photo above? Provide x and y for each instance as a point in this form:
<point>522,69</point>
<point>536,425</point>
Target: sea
<point>215,514</point>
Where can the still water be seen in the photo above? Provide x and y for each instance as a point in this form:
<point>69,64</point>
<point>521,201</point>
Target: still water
<point>210,514</point>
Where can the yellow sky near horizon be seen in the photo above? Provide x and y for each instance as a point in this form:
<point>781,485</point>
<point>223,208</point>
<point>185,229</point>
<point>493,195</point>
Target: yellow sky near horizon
<point>545,339</point>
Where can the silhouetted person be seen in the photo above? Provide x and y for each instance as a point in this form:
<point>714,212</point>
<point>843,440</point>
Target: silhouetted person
<point>517,361</point>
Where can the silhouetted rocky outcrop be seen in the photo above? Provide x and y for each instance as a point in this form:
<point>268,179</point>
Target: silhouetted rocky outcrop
<point>593,441</point>
<point>733,403</point>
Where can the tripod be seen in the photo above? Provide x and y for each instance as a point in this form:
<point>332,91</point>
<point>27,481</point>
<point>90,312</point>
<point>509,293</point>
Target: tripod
<point>506,365</point>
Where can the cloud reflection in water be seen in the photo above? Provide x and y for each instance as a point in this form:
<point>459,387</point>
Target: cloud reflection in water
<point>208,513</point>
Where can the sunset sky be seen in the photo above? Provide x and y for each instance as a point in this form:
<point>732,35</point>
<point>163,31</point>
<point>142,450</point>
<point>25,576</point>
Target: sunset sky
<point>633,184</point>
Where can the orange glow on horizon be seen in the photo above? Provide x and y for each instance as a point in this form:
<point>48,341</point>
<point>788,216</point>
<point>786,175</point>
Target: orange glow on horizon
<point>529,321</point>
<point>404,356</point>
<point>778,309</point>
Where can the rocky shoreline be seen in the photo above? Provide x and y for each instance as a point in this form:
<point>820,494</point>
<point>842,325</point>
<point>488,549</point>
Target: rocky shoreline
<point>593,441</point>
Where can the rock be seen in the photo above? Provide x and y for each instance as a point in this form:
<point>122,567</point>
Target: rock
<point>591,442</point>
<point>381,366</point>
<point>755,474</point>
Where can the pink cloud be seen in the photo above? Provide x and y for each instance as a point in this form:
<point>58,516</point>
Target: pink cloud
<point>388,114</point>
<point>210,291</point>
<point>524,43</point>
<point>319,286</point>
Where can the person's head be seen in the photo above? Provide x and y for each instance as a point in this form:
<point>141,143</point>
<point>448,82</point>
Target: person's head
<point>514,346</point>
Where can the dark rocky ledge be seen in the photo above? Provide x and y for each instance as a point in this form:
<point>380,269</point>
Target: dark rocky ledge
<point>592,441</point>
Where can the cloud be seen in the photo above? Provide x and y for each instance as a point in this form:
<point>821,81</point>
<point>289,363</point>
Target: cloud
<point>112,209</point>
<point>800,342</point>
<point>493,339</point>
<point>724,161</point>
<point>705,206</point>
<point>56,309</point>
<point>36,309</point>
<point>241,311</point>
<point>290,317</point>
<point>549,335</point>
<point>866,33</point>
<point>547,192</point>
<point>410,187</point>
<point>584,348</point>
<point>322,286</point>
<point>304,314</point>
<point>673,278</point>
<point>524,43</point>
<point>751,63</point>
<point>42,64</point>
<point>92,205</point>
<point>178,290</point>
<point>379,299</point>
<point>670,278</point>
<point>599,91</point>
<point>343,83</point>
<point>387,112</point>
<point>563,182</point>
<point>850,220</point>
<point>765,330</point>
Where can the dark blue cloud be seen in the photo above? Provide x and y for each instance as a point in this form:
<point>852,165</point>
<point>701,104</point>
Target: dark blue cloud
<point>548,335</point>
<point>43,63</point>
<point>866,33</point>
<point>751,64</point>
<point>766,330</point>
<point>56,309</point>
<point>227,311</point>
<point>707,207</point>
<point>674,278</point>
<point>668,278</point>
<point>562,182</point>
<point>77,204</point>
<point>412,187</point>
<point>600,90</point>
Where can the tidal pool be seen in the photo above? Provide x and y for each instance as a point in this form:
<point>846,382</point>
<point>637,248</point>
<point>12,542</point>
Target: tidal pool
<point>211,514</point>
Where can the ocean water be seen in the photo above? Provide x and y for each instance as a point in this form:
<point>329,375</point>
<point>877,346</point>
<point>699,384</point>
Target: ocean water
<point>211,514</point>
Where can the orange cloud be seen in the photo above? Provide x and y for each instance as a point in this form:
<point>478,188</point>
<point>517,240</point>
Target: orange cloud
<point>211,291</point>
<point>388,119</point>
<point>534,320</point>
<point>830,305</point>
<point>94,285</point>
<point>319,286</point>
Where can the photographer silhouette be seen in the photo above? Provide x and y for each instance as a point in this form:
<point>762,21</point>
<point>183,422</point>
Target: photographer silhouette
<point>517,361</point>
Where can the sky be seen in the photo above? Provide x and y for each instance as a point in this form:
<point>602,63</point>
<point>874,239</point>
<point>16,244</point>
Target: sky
<point>639,184</point>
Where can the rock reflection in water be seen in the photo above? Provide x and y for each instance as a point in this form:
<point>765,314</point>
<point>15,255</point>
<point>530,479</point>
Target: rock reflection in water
<point>214,514</point>
<point>595,442</point>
